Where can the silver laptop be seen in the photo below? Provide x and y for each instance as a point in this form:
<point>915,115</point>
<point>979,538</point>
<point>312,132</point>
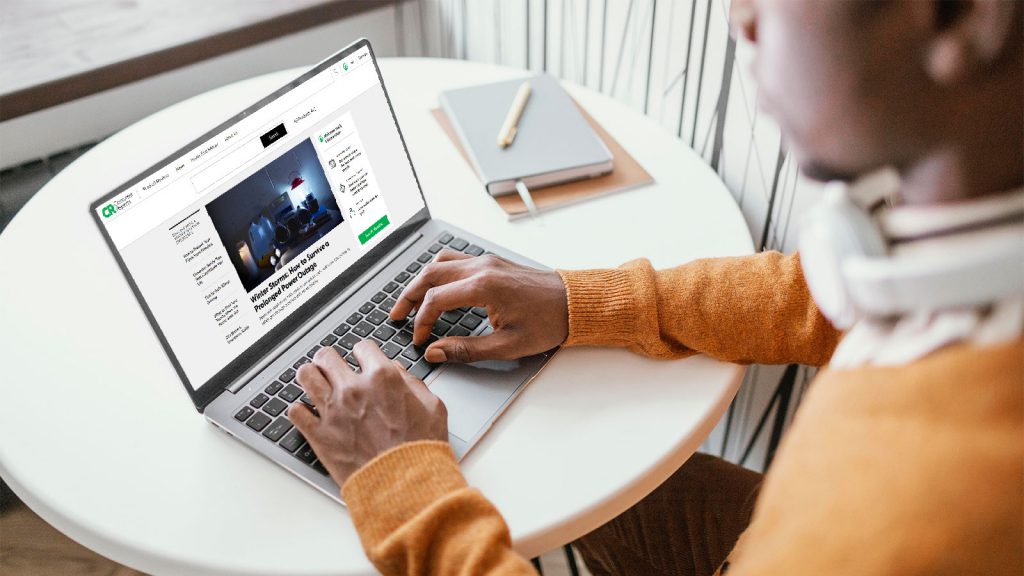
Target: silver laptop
<point>294,226</point>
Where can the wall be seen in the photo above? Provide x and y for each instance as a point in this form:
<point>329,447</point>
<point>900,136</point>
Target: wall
<point>675,62</point>
<point>91,118</point>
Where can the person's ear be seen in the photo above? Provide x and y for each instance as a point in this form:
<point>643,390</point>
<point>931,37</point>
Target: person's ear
<point>970,36</point>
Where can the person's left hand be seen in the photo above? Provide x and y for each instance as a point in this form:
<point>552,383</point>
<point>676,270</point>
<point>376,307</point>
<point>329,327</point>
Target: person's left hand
<point>363,415</point>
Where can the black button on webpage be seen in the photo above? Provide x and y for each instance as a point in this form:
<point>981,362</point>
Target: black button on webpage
<point>273,136</point>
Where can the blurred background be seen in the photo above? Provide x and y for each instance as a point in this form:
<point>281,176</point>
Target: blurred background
<point>73,72</point>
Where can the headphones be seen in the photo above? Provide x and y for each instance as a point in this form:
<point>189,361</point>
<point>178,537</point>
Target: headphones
<point>864,259</point>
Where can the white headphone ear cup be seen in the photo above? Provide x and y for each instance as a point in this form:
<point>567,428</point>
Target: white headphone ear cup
<point>835,231</point>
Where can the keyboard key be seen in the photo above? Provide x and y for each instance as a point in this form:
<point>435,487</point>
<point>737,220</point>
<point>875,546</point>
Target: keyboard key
<point>278,428</point>
<point>405,362</point>
<point>384,332</point>
<point>474,250</point>
<point>351,359</point>
<point>424,258</point>
<point>328,340</point>
<point>421,369</point>
<point>354,318</point>
<point>341,330</point>
<point>258,421</point>
<point>403,338</point>
<point>259,400</point>
<point>306,454</point>
<point>273,388</point>
<point>244,413</point>
<point>305,399</point>
<point>470,321</point>
<point>390,349</point>
<point>363,329</point>
<point>413,353</point>
<point>387,305</point>
<point>445,238</point>
<point>347,342</point>
<point>287,376</point>
<point>376,317</point>
<point>481,312</point>
<point>290,393</point>
<point>274,407</point>
<point>451,316</point>
<point>366,307</point>
<point>391,287</point>
<point>312,351</point>
<point>434,249</point>
<point>399,324</point>
<point>458,244</point>
<point>292,440</point>
<point>464,309</point>
<point>458,331</point>
<point>319,468</point>
<point>377,299</point>
<point>300,362</point>
<point>440,328</point>
<point>402,277</point>
<point>413,267</point>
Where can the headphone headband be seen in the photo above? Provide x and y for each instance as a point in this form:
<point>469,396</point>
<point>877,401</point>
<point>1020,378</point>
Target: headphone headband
<point>910,258</point>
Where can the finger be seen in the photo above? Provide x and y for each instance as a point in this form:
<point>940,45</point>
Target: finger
<point>435,274</point>
<point>493,346</point>
<point>418,388</point>
<point>304,419</point>
<point>333,366</point>
<point>315,383</point>
<point>371,359</point>
<point>439,299</point>
<point>447,255</point>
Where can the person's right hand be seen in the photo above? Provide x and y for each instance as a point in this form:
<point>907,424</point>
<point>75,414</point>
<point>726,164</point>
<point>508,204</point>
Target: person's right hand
<point>526,307</point>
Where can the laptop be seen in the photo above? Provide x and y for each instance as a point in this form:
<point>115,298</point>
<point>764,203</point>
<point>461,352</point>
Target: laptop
<point>293,226</point>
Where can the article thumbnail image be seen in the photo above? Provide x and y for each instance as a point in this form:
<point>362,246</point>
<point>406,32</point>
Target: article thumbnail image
<point>276,214</point>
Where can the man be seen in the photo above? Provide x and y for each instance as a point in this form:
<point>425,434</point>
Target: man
<point>907,455</point>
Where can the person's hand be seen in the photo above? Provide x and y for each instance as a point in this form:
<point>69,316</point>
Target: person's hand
<point>526,307</point>
<point>363,415</point>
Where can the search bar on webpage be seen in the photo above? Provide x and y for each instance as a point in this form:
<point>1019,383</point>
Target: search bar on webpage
<point>227,165</point>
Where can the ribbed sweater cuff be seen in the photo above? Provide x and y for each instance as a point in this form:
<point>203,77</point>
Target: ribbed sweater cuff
<point>602,306</point>
<point>395,486</point>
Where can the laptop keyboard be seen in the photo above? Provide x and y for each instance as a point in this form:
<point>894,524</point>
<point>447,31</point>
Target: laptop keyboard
<point>265,411</point>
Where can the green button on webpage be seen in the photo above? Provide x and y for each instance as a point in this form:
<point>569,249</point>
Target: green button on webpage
<point>370,232</point>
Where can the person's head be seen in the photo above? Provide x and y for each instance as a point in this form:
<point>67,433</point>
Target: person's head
<point>856,85</point>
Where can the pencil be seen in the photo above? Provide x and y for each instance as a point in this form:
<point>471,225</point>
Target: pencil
<point>511,126</point>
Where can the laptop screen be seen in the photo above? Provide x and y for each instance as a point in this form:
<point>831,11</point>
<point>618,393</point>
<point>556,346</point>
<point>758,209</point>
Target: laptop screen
<point>228,239</point>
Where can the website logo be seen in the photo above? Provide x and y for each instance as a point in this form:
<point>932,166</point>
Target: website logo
<point>109,210</point>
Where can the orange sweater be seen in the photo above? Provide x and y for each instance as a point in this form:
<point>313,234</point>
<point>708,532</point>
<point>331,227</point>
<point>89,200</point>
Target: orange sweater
<point>917,469</point>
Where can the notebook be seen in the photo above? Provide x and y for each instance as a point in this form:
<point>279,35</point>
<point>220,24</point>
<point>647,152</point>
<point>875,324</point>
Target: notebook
<point>626,175</point>
<point>554,143</point>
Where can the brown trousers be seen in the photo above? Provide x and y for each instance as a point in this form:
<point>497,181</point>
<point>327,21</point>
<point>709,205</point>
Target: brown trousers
<point>686,527</point>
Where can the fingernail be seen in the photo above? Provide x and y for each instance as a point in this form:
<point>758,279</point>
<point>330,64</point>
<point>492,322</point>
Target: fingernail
<point>435,355</point>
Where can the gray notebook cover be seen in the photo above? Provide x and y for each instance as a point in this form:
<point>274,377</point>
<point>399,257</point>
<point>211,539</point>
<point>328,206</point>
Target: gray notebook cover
<point>554,143</point>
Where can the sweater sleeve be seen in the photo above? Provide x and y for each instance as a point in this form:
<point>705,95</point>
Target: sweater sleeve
<point>415,514</point>
<point>740,309</point>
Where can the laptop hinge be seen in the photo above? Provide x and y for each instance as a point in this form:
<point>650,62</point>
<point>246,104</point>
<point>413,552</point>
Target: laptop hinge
<point>240,382</point>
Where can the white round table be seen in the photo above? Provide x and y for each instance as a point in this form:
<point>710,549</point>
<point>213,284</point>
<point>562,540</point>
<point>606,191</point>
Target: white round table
<point>98,437</point>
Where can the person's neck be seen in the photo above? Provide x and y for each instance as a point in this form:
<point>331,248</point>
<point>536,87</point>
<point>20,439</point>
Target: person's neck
<point>981,151</point>
<point>948,174</point>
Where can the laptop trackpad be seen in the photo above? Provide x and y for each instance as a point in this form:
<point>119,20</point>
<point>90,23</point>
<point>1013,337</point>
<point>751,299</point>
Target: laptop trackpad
<point>474,392</point>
